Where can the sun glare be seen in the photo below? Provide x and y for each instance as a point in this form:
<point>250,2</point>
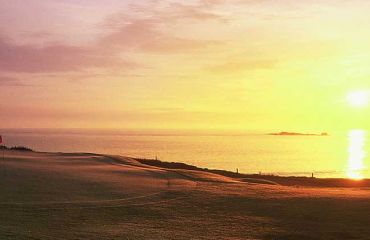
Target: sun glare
<point>357,154</point>
<point>358,98</point>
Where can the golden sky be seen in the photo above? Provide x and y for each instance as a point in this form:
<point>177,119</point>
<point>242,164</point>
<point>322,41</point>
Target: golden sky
<point>205,64</point>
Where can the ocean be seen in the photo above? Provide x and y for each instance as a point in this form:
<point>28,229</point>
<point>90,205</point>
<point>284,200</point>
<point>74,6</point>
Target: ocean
<point>342,154</point>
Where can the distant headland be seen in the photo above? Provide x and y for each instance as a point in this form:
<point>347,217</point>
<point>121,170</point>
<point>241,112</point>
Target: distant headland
<point>298,134</point>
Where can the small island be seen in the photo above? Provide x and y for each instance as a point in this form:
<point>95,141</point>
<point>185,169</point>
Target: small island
<point>298,134</point>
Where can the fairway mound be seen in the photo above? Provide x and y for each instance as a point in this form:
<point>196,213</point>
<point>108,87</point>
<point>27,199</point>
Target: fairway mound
<point>82,180</point>
<point>258,181</point>
<point>204,176</point>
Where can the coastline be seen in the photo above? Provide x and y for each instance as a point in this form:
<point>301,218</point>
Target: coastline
<point>251,153</point>
<point>264,178</point>
<point>270,179</point>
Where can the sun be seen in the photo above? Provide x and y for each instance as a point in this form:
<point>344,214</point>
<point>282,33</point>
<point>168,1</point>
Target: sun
<point>359,98</point>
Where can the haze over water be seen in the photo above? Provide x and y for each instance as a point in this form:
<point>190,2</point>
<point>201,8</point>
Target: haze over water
<point>342,154</point>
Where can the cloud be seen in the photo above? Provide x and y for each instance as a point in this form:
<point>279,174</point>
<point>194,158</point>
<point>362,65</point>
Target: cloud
<point>54,58</point>
<point>142,29</point>
<point>175,11</point>
<point>143,35</point>
<point>152,28</point>
<point>12,82</point>
<point>242,66</point>
<point>195,12</point>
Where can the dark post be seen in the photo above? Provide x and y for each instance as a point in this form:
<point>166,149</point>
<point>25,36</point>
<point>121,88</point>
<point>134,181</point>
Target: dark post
<point>2,146</point>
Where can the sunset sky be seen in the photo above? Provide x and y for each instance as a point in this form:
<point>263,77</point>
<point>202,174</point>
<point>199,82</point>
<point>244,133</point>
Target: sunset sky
<point>205,64</point>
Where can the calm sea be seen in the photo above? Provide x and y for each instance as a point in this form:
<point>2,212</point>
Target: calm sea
<point>338,155</point>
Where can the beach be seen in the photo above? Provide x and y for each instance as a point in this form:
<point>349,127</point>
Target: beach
<point>92,196</point>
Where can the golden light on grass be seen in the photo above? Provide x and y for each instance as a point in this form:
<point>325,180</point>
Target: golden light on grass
<point>358,98</point>
<point>357,154</point>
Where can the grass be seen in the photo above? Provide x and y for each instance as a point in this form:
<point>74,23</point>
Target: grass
<point>71,196</point>
<point>267,179</point>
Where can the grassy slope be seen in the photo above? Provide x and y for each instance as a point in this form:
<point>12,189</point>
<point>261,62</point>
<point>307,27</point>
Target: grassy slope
<point>267,179</point>
<point>87,196</point>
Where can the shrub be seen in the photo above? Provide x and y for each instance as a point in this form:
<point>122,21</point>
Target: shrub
<point>21,148</point>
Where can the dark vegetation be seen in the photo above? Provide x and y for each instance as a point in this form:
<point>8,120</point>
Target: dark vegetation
<point>16,148</point>
<point>168,165</point>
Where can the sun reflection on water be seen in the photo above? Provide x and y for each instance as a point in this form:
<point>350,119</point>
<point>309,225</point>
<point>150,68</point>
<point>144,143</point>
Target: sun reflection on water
<point>357,154</point>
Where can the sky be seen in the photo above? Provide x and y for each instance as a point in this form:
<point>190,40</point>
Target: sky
<point>197,64</point>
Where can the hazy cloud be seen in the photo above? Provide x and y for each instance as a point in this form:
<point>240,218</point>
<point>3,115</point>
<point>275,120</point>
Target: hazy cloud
<point>140,30</point>
<point>143,35</point>
<point>175,11</point>
<point>54,58</point>
<point>144,27</point>
<point>13,82</point>
<point>241,66</point>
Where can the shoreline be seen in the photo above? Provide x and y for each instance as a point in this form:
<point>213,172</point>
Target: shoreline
<point>262,178</point>
<point>269,179</point>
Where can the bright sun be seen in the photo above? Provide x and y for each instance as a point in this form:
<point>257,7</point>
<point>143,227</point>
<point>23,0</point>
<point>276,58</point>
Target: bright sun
<point>358,98</point>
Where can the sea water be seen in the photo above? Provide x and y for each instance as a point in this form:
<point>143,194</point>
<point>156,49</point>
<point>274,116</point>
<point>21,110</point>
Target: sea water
<point>342,154</point>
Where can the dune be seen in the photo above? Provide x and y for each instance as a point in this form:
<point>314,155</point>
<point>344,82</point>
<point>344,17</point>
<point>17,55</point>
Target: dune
<point>93,196</point>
